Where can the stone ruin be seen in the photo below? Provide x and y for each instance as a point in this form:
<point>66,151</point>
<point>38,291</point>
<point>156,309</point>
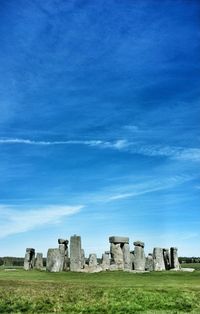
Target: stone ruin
<point>30,261</point>
<point>119,257</point>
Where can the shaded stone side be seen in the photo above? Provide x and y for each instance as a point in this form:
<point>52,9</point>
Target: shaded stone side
<point>149,262</point>
<point>166,256</point>
<point>105,263</point>
<point>82,258</point>
<point>127,257</point>
<point>29,260</point>
<point>39,261</point>
<point>174,258</point>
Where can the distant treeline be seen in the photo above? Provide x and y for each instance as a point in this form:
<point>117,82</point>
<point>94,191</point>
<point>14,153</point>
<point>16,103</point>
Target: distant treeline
<point>189,259</point>
<point>14,261</point>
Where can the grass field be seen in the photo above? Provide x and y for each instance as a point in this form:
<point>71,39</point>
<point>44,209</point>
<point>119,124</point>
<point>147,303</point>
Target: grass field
<point>109,292</point>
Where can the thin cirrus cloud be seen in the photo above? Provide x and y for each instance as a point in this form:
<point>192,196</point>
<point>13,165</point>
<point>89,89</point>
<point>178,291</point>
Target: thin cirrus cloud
<point>15,220</point>
<point>173,152</point>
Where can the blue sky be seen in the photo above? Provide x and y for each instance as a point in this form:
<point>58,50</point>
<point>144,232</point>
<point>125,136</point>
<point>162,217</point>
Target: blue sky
<point>99,123</point>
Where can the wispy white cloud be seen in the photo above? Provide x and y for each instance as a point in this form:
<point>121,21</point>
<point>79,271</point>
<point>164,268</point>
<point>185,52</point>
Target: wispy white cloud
<point>123,145</point>
<point>16,220</point>
<point>125,191</point>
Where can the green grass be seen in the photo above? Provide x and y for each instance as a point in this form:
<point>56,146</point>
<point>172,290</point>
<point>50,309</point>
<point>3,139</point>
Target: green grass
<point>191,265</point>
<point>109,292</point>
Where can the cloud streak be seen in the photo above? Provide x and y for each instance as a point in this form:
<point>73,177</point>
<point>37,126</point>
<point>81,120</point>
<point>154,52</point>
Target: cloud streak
<point>15,221</point>
<point>122,145</point>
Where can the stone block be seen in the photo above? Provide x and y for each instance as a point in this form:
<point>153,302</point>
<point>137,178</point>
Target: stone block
<point>55,260</point>
<point>118,239</point>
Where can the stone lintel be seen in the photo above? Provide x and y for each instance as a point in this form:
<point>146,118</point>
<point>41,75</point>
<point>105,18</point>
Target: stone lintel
<point>117,239</point>
<point>30,250</point>
<point>139,243</point>
<point>63,241</point>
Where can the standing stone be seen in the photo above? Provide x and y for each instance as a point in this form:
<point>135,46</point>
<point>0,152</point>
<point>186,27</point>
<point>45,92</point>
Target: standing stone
<point>55,260</point>
<point>105,264</point>
<point>149,262</point>
<point>174,258</point>
<point>158,259</point>
<point>93,260</point>
<point>117,256</point>
<point>29,259</point>
<point>82,258</point>
<point>75,253</point>
<point>120,254</point>
<point>139,256</point>
<point>166,256</point>
<point>39,261</point>
<point>127,257</point>
<point>63,246</point>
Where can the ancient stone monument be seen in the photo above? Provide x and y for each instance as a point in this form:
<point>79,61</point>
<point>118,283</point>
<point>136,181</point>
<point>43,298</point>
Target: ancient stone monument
<point>139,256</point>
<point>29,259</point>
<point>105,262</point>
<point>149,262</point>
<point>158,259</point>
<point>118,253</point>
<point>118,258</point>
<point>174,258</point>
<point>75,253</point>
<point>166,256</point>
<point>39,261</point>
<point>63,247</point>
<point>55,260</point>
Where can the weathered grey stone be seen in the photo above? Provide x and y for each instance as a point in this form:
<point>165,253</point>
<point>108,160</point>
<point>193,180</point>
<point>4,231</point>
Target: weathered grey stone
<point>55,260</point>
<point>117,255</point>
<point>29,260</point>
<point>105,264</point>
<point>132,259</point>
<point>174,258</point>
<point>139,256</point>
<point>117,239</point>
<point>75,253</point>
<point>82,258</point>
<point>127,256</point>
<point>166,256</point>
<point>158,259</point>
<point>93,260</point>
<point>149,262</point>
<point>63,247</point>
<point>39,261</point>
<point>139,243</point>
<point>63,241</point>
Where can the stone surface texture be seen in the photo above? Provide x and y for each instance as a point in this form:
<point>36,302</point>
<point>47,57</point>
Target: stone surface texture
<point>118,239</point>
<point>158,259</point>
<point>117,256</point>
<point>55,260</point>
<point>29,260</point>
<point>127,257</point>
<point>39,261</point>
<point>174,258</point>
<point>75,253</point>
<point>139,256</point>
